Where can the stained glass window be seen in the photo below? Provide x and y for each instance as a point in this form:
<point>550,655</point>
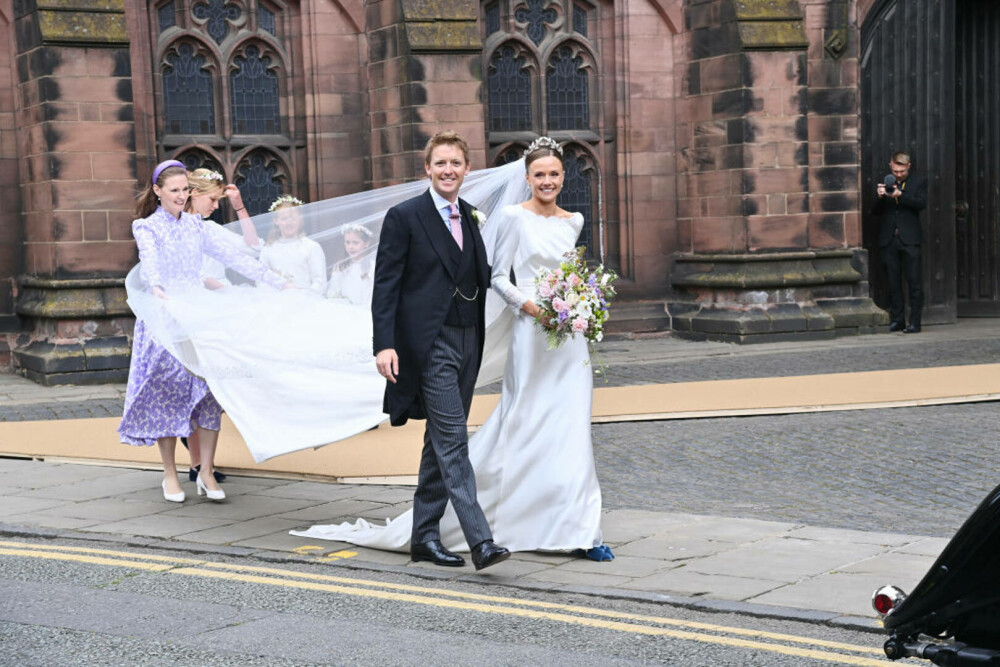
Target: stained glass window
<point>568,107</point>
<point>266,18</point>
<point>535,16</point>
<point>254,88</point>
<point>509,86</point>
<point>165,16</point>
<point>576,197</point>
<point>257,179</point>
<point>187,93</point>
<point>580,20</point>
<point>216,14</point>
<point>492,18</point>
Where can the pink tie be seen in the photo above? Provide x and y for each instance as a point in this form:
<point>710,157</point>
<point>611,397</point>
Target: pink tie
<point>455,220</point>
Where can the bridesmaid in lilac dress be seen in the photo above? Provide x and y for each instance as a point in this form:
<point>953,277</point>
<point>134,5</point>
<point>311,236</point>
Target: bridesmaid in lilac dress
<point>163,400</point>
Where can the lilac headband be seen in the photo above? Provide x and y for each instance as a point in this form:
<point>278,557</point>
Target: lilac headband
<point>166,165</point>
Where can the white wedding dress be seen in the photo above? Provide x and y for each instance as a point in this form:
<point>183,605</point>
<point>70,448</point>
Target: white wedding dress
<point>533,459</point>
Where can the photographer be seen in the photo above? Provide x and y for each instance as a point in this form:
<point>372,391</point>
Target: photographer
<point>901,197</point>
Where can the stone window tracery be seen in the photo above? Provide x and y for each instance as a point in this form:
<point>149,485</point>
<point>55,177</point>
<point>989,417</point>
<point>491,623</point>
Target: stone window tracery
<point>543,77</point>
<point>536,19</point>
<point>224,91</point>
<point>216,16</point>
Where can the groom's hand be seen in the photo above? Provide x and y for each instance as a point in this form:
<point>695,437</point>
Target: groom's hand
<point>387,362</point>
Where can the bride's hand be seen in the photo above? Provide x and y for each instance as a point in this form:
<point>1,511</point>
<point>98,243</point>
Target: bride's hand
<point>531,309</point>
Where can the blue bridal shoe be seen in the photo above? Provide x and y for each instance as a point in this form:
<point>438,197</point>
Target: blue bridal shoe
<point>600,553</point>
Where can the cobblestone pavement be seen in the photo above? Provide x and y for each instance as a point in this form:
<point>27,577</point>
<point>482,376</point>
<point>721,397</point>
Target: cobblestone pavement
<point>915,470</point>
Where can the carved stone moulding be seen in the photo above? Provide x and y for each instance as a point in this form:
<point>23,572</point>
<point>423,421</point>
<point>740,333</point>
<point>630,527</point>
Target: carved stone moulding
<point>767,297</point>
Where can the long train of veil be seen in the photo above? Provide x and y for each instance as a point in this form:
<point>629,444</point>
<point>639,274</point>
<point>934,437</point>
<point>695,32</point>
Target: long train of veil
<point>294,369</point>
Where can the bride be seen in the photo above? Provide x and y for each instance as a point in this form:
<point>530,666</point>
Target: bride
<point>533,458</point>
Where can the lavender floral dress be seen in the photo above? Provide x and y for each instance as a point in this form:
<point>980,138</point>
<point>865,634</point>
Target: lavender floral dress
<point>163,399</point>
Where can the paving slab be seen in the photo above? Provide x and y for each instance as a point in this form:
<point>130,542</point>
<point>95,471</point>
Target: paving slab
<point>315,491</point>
<point>106,509</point>
<point>242,530</point>
<point>241,508</point>
<point>625,525</point>
<point>671,547</point>
<point>927,546</point>
<point>685,581</point>
<point>282,541</point>
<point>158,525</point>
<point>12,505</point>
<point>625,566</point>
<point>857,536</point>
<point>343,510</point>
<point>559,575</point>
<point>30,520</point>
<point>109,485</point>
<point>784,559</point>
<point>836,592</point>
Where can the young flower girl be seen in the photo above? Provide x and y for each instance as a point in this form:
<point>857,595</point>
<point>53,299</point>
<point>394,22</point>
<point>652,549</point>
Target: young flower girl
<point>351,278</point>
<point>289,252</point>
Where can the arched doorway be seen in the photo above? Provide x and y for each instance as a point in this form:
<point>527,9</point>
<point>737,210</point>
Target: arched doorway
<point>930,85</point>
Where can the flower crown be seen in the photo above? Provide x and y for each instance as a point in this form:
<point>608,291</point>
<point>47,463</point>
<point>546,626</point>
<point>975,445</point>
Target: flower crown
<point>358,229</point>
<point>543,142</point>
<point>284,200</point>
<point>213,175</point>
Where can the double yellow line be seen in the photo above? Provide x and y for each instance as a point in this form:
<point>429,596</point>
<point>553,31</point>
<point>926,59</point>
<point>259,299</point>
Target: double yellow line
<point>707,633</point>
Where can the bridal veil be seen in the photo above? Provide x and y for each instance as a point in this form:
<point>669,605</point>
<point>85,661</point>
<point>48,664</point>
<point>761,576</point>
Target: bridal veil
<point>295,370</point>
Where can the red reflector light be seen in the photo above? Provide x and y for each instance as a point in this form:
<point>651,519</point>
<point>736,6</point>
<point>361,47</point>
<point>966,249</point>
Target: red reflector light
<point>883,604</point>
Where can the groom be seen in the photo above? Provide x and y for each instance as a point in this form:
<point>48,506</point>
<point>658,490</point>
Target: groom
<point>428,311</point>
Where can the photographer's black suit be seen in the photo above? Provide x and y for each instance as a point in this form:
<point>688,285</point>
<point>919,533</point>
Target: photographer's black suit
<point>438,336</point>
<point>899,237</point>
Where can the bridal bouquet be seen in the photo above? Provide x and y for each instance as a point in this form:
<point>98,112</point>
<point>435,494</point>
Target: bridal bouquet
<point>574,299</point>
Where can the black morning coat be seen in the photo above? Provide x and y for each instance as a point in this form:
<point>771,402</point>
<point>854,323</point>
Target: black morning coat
<point>416,269</point>
<point>905,214</point>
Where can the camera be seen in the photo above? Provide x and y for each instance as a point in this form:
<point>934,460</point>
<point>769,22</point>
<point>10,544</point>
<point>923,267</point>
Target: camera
<point>890,184</point>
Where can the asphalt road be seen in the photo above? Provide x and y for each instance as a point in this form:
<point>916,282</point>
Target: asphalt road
<point>65,603</point>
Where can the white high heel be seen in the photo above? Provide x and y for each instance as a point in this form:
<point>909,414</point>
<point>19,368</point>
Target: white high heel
<point>212,495</point>
<point>172,497</point>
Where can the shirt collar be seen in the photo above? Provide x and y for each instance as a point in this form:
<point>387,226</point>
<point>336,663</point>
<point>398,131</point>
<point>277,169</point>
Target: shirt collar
<point>439,201</point>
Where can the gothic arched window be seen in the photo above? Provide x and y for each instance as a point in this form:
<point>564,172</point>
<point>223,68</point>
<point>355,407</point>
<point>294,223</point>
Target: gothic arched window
<point>509,84</point>
<point>223,86</point>
<point>259,177</point>
<point>544,62</point>
<point>566,94</point>
<point>253,85</point>
<point>188,92</point>
<point>577,192</point>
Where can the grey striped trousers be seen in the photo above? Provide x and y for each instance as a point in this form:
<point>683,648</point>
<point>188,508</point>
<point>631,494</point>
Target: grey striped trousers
<point>446,386</point>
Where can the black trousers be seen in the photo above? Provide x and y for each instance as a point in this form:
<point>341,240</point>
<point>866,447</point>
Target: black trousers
<point>903,262</point>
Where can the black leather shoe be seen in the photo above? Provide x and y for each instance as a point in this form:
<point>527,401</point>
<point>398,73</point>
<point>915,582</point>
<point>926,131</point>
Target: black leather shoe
<point>434,552</point>
<point>896,326</point>
<point>488,553</point>
<point>913,328</point>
